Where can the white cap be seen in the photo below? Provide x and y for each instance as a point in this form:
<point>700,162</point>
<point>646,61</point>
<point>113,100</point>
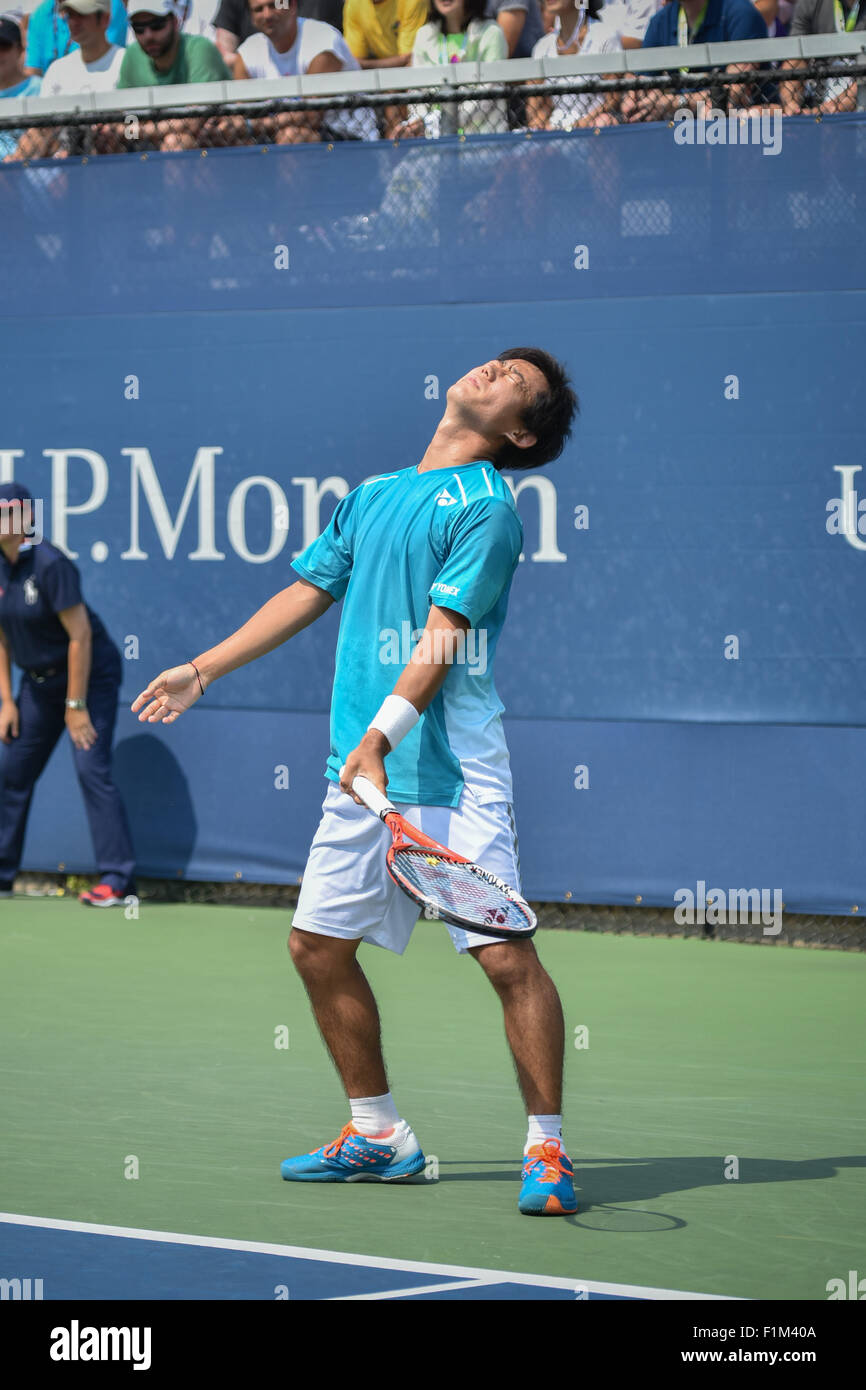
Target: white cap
<point>157,7</point>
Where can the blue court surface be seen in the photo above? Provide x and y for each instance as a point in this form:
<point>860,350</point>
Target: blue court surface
<point>75,1260</point>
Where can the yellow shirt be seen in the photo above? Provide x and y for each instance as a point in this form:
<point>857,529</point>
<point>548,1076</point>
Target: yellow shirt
<point>382,31</point>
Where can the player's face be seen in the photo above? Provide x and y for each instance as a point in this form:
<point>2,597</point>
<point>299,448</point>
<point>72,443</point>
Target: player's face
<point>492,398</point>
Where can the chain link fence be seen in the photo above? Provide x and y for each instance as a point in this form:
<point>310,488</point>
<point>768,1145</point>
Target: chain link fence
<point>748,96</point>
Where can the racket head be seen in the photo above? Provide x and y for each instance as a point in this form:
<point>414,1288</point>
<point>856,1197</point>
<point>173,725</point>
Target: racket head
<point>452,889</point>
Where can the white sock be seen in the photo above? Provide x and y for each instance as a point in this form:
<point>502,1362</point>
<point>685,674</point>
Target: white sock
<point>374,1114</point>
<point>543,1127</point>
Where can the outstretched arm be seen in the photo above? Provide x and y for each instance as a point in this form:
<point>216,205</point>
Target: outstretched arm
<point>288,612</point>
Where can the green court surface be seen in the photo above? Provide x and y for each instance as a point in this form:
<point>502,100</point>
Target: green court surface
<point>154,1040</point>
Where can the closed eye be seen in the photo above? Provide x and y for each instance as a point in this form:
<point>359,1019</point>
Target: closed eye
<point>517,374</point>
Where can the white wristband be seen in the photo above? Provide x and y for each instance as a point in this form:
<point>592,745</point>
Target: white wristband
<point>395,718</point>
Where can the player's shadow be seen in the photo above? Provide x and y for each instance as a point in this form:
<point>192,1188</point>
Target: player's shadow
<point>158,803</point>
<point>603,1183</point>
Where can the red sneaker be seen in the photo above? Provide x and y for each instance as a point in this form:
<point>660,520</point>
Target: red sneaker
<point>103,895</point>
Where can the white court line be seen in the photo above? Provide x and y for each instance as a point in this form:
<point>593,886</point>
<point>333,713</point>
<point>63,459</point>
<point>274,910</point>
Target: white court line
<point>302,1252</point>
<point>411,1293</point>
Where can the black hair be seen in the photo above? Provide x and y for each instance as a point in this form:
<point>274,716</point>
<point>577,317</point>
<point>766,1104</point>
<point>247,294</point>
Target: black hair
<point>472,9</point>
<point>549,417</point>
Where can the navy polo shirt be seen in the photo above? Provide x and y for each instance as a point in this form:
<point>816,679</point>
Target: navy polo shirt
<point>724,22</point>
<point>41,584</point>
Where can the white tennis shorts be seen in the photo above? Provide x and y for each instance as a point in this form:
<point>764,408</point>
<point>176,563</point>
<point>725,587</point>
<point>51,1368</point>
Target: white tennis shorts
<point>347,891</point>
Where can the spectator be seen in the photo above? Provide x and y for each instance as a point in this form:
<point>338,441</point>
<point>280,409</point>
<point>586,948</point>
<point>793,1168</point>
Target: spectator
<point>20,11</point>
<point>630,18</point>
<point>548,16</point>
<point>520,22</point>
<point>234,24</point>
<point>48,35</point>
<point>822,17</point>
<point>695,21</point>
<point>288,46</point>
<point>381,33</point>
<point>197,17</point>
<point>581,30</point>
<point>457,32</point>
<point>778,22</point>
<point>71,676</point>
<point>163,56</point>
<point>712,21</point>
<point>92,66</point>
<point>14,82</point>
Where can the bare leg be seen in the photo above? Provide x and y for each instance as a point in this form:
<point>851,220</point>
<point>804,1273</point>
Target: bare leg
<point>533,1020</point>
<point>345,1009</point>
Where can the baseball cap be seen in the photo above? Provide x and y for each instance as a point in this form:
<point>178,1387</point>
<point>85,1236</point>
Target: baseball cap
<point>14,492</point>
<point>9,30</point>
<point>158,7</point>
<point>87,6</point>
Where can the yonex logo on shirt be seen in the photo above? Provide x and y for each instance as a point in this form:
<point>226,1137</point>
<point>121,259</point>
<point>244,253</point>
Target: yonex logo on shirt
<point>445,588</point>
<point>444,498</point>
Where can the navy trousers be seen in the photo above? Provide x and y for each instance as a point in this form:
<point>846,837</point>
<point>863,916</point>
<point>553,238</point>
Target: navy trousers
<point>42,710</point>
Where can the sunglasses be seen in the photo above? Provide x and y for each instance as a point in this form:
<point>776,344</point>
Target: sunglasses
<point>157,25</point>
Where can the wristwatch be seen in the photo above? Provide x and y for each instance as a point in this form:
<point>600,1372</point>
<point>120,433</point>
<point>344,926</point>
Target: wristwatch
<point>76,704</point>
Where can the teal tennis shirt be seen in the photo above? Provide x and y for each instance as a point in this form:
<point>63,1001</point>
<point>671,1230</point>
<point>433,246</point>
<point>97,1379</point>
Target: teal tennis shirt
<point>395,545</point>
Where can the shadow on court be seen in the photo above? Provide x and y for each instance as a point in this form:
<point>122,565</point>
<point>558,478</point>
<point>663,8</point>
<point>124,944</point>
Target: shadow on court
<point>602,1183</point>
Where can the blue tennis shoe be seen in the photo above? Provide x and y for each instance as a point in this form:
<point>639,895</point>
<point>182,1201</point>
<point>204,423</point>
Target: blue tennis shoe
<point>355,1157</point>
<point>548,1181</point>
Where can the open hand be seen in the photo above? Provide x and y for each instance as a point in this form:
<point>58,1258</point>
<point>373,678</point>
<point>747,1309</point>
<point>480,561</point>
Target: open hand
<point>168,696</point>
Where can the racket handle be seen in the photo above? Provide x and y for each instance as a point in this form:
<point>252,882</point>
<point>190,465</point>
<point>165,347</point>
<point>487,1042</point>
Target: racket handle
<point>372,797</point>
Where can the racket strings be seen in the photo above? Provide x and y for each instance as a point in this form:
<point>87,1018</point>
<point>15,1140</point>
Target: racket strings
<point>458,889</point>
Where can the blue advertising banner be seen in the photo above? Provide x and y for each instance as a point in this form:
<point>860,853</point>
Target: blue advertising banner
<point>201,356</point>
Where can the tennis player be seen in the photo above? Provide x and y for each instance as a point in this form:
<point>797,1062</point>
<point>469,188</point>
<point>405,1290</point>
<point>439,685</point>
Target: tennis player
<point>435,545</point>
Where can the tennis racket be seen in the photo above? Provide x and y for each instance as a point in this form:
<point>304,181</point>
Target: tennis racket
<point>444,884</point>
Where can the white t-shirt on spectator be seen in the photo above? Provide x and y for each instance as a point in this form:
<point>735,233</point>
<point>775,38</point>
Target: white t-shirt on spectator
<point>630,18</point>
<point>199,16</point>
<point>70,75</point>
<point>261,59</point>
<point>600,38</point>
<point>314,36</point>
